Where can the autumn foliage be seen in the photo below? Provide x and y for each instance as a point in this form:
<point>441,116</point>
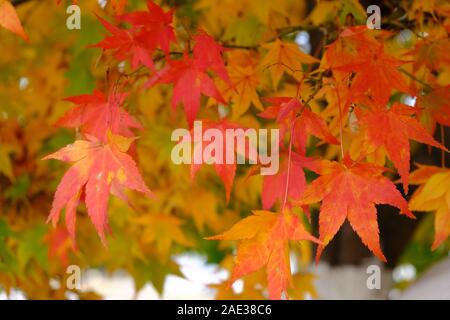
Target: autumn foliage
<point>352,105</point>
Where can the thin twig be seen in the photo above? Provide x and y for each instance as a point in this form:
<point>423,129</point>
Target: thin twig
<point>415,79</point>
<point>340,118</point>
<point>288,173</point>
<point>18,2</point>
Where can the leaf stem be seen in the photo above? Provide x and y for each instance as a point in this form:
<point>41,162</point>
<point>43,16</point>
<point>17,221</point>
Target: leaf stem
<point>288,173</point>
<point>340,119</point>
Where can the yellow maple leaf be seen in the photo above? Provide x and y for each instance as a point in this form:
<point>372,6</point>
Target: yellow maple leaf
<point>264,241</point>
<point>5,162</point>
<point>244,79</point>
<point>162,230</point>
<point>203,210</point>
<point>433,195</point>
<point>284,56</point>
<point>303,286</point>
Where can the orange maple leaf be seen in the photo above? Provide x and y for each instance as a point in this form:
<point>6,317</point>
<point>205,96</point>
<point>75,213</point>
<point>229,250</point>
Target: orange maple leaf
<point>377,74</point>
<point>434,107</point>
<point>350,190</point>
<point>352,47</point>
<point>241,90</point>
<point>284,56</point>
<point>397,128</point>
<point>264,241</point>
<point>98,169</point>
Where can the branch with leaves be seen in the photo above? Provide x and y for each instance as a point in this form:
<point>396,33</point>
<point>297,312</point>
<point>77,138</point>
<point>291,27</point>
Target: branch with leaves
<point>340,111</point>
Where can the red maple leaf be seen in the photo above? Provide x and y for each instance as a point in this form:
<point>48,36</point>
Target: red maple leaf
<point>128,44</point>
<point>96,113</point>
<point>391,129</point>
<point>208,54</point>
<point>225,169</point>
<point>350,190</point>
<point>190,80</point>
<point>291,115</point>
<point>274,186</point>
<point>155,26</point>
<point>98,169</point>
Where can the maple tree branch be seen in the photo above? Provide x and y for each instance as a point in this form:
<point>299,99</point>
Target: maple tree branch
<point>289,29</point>
<point>311,96</point>
<point>288,173</point>
<point>415,79</point>
<point>280,33</point>
<point>237,46</point>
<point>18,2</point>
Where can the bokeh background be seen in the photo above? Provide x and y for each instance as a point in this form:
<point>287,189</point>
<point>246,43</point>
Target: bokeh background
<point>158,250</point>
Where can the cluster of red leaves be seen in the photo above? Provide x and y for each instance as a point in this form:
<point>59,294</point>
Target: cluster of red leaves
<point>364,76</point>
<point>102,160</point>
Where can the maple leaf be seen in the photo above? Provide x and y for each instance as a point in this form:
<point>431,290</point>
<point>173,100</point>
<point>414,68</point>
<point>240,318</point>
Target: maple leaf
<point>377,73</point>
<point>433,195</point>
<point>60,243</point>
<point>274,186</point>
<point>157,30</point>
<point>350,191</point>
<point>289,112</point>
<point>164,230</point>
<point>126,45</point>
<point>352,47</point>
<point>244,79</point>
<point>9,19</point>
<point>303,286</point>
<point>98,169</point>
<point>264,241</point>
<point>434,107</point>
<point>208,54</point>
<point>284,56</point>
<point>204,210</point>
<point>432,54</point>
<point>96,113</point>
<point>226,171</point>
<point>398,127</point>
<point>190,81</point>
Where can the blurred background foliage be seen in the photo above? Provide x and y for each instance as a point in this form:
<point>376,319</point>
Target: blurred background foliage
<point>36,76</point>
